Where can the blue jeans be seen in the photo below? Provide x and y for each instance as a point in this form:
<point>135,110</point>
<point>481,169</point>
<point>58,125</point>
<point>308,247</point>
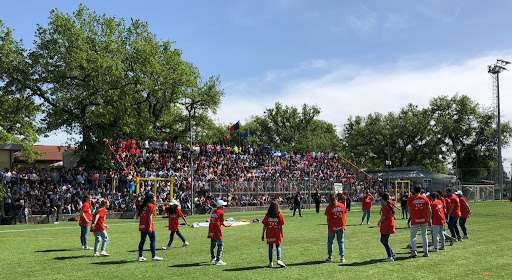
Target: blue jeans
<point>366,213</point>
<point>452,225</point>
<point>341,242</point>
<point>384,239</point>
<point>102,235</point>
<point>152,242</point>
<point>83,235</point>
<point>278,252</point>
<point>220,247</point>
<point>462,224</point>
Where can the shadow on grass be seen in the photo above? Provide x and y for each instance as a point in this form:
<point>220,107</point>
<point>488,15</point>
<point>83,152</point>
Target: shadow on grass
<point>55,250</point>
<point>145,250</point>
<point>196,264</point>
<point>245,268</point>
<point>374,261</point>
<point>113,262</point>
<point>306,263</point>
<point>71,257</point>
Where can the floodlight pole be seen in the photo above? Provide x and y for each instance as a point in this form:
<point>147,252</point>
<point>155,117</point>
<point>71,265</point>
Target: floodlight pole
<point>495,71</point>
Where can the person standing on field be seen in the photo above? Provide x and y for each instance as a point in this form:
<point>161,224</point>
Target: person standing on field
<point>453,214</point>
<point>336,222</point>
<point>316,199</point>
<point>465,212</point>
<point>215,232</point>
<point>273,223</point>
<point>403,205</point>
<point>147,213</point>
<point>297,198</point>
<point>174,214</point>
<point>100,229</point>
<point>420,211</point>
<point>438,221</point>
<point>84,220</point>
<point>387,225</point>
<point>367,203</point>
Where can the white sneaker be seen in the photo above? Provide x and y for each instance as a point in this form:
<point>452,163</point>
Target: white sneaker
<point>166,248</point>
<point>342,260</point>
<point>270,265</point>
<point>391,259</point>
<point>281,263</point>
<point>185,244</point>
<point>104,254</point>
<point>157,258</point>
<point>96,254</point>
<point>220,262</point>
<point>141,259</point>
<point>213,261</point>
<point>329,259</point>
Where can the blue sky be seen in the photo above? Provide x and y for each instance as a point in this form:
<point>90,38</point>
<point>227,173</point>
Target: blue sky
<point>348,57</point>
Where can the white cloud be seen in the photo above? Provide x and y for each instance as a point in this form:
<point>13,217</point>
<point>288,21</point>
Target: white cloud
<point>382,89</point>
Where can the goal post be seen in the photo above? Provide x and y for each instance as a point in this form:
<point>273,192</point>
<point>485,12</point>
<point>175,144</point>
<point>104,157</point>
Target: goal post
<point>402,186</point>
<point>155,183</point>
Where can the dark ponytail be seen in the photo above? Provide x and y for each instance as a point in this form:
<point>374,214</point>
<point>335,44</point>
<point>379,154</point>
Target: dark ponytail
<point>385,198</point>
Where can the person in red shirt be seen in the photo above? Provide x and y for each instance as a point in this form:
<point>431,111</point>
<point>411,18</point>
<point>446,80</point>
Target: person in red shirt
<point>147,212</point>
<point>215,232</point>
<point>174,214</point>
<point>465,212</point>
<point>453,214</point>
<point>85,220</point>
<point>387,225</point>
<point>367,202</point>
<point>420,212</point>
<point>336,213</point>
<point>438,221</point>
<point>273,230</point>
<point>100,229</point>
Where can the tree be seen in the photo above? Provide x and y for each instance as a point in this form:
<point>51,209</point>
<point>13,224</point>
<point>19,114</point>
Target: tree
<point>101,77</point>
<point>18,110</point>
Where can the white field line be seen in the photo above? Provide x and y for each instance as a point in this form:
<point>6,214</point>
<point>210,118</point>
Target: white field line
<point>55,228</point>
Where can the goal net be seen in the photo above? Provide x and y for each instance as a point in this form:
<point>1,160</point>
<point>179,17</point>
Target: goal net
<point>478,192</point>
<point>162,188</point>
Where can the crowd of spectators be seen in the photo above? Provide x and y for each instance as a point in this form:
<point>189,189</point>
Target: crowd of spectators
<point>242,176</point>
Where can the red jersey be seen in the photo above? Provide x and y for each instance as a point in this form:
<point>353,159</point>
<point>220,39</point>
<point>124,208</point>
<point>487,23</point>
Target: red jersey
<point>455,204</point>
<point>174,220</point>
<point>216,221</point>
<point>465,211</point>
<point>367,202</point>
<point>336,217</point>
<point>447,204</point>
<point>101,215</point>
<point>86,210</point>
<point>419,206</point>
<point>145,216</point>
<point>438,213</point>
<point>274,229</point>
<point>387,224</point>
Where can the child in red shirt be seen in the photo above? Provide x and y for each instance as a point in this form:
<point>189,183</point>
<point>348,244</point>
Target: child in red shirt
<point>273,230</point>
<point>387,225</point>
<point>465,212</point>
<point>84,220</point>
<point>215,232</point>
<point>147,212</point>
<point>174,214</point>
<point>336,213</point>
<point>367,203</point>
<point>438,221</point>
<point>100,229</point>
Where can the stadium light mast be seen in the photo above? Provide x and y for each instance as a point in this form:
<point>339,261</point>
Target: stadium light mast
<point>495,70</point>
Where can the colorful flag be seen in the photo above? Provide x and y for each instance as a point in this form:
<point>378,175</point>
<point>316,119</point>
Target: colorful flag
<point>235,127</point>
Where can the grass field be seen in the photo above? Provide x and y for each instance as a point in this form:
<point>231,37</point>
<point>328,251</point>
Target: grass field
<point>53,251</point>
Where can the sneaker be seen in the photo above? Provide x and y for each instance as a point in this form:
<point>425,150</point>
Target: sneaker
<point>86,248</point>
<point>342,260</point>
<point>414,254</point>
<point>281,263</point>
<point>425,255</point>
<point>391,259</point>
<point>465,237</point>
<point>157,258</point>
<point>329,259</point>
<point>213,261</point>
<point>104,254</point>
<point>141,259</point>
<point>451,241</point>
<point>221,262</point>
<point>270,265</point>
<point>185,244</point>
<point>165,248</point>
<point>96,254</point>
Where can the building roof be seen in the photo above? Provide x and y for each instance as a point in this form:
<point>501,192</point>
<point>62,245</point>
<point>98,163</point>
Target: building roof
<point>11,147</point>
<point>48,153</point>
<point>408,172</point>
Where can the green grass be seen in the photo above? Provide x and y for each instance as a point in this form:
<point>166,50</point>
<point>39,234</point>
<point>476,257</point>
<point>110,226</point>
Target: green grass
<point>53,251</point>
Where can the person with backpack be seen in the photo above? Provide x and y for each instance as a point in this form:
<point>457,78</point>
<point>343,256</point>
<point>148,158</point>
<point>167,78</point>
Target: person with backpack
<point>336,213</point>
<point>84,220</point>
<point>215,232</point>
<point>387,225</point>
<point>147,213</point>
<point>174,214</point>
<point>273,230</point>
<point>100,229</point>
